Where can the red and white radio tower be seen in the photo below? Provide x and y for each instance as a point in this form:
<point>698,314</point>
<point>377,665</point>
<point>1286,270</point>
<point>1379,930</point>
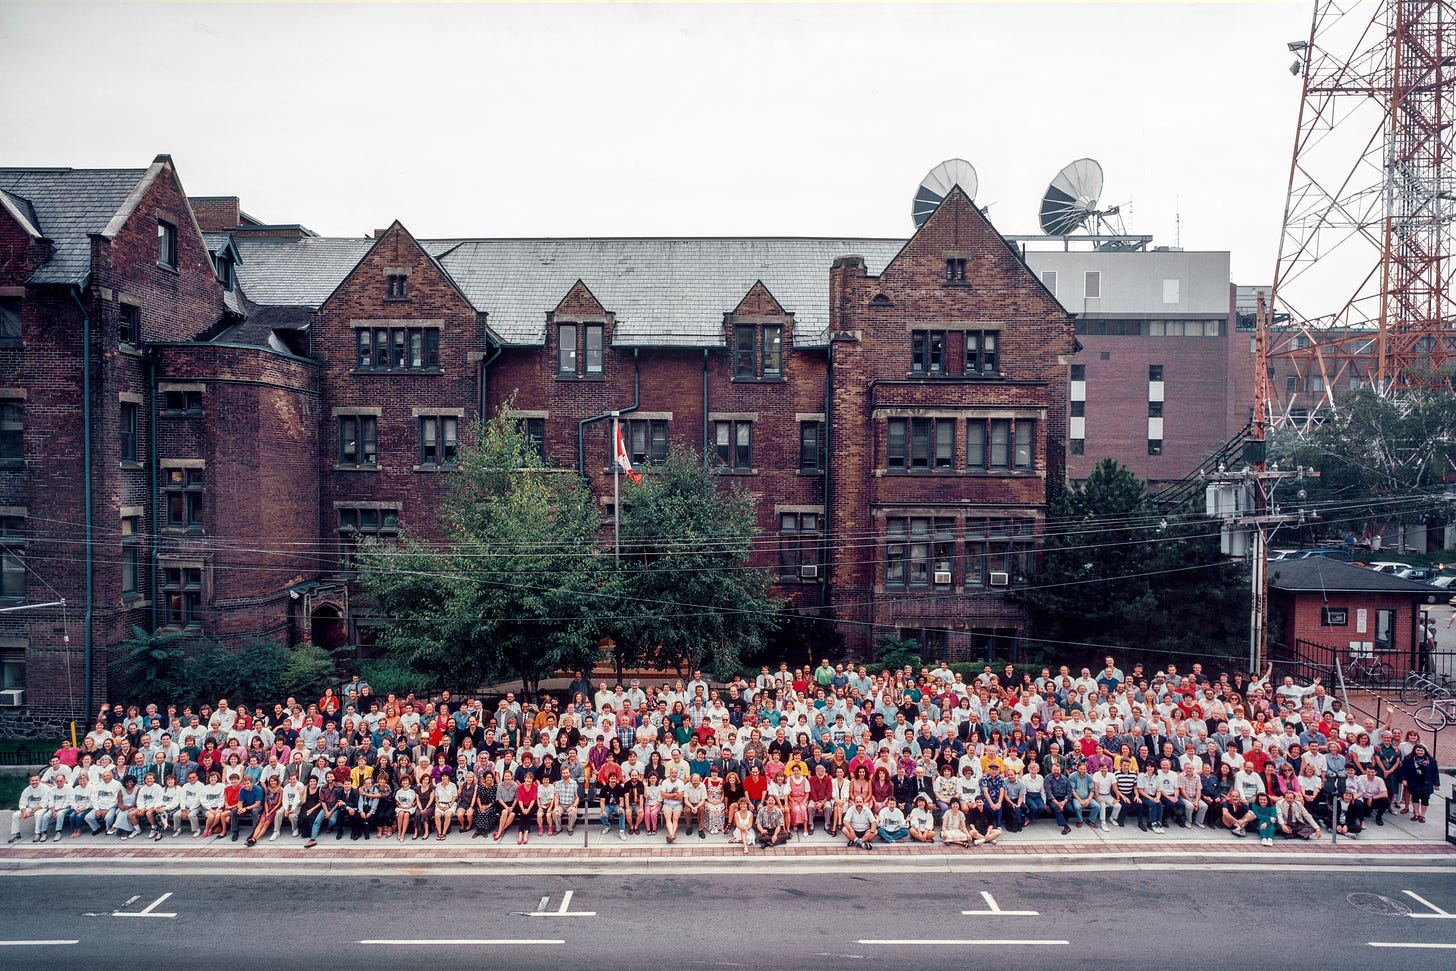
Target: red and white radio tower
<point>1361,289</point>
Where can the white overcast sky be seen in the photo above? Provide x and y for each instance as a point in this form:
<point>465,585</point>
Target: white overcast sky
<point>671,119</point>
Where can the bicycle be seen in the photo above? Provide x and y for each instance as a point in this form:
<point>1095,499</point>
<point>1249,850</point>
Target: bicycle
<point>1437,715</point>
<point>1369,670</point>
<point>1418,686</point>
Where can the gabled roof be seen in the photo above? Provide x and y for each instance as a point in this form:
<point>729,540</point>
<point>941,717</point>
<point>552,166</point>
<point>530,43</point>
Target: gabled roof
<point>296,272</point>
<point>23,213</point>
<point>1320,574</point>
<point>68,205</point>
<point>664,292</point>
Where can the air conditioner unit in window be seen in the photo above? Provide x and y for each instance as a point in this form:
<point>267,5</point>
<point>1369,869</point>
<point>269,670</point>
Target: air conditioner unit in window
<point>942,578</point>
<point>1000,579</point>
<point>13,698</point>
<point>810,572</point>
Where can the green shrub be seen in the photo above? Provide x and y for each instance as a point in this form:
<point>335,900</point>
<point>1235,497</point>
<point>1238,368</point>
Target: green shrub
<point>393,677</point>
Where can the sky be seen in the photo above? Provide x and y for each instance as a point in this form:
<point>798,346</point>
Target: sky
<point>686,119</point>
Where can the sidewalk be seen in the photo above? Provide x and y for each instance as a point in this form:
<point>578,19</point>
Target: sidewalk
<point>1398,837</point>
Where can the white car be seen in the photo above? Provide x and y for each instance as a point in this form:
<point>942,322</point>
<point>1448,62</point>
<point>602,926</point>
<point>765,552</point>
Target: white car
<point>1388,567</point>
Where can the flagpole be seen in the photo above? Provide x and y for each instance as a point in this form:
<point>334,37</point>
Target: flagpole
<point>617,486</point>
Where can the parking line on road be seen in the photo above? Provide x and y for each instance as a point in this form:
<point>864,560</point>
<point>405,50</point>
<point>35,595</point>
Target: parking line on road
<point>36,943</point>
<point>1436,912</point>
<point>1430,947</point>
<point>994,909</point>
<point>960,942</point>
<point>465,942</point>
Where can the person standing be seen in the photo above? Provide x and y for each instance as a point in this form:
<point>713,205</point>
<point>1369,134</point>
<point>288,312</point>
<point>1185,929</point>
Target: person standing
<point>1421,775</point>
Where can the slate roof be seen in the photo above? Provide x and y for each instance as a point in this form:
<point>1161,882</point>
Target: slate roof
<point>665,292</point>
<point>296,272</point>
<point>1321,574</point>
<point>67,205</point>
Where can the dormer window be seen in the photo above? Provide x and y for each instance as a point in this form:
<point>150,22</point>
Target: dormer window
<point>224,271</point>
<point>398,286</point>
<point>758,352</point>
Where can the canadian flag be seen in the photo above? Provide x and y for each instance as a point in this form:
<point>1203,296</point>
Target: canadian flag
<point>624,461</point>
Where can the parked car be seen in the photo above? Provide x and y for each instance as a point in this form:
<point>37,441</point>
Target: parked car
<point>1328,552</point>
<point>1419,574</point>
<point>1443,581</point>
<point>1388,566</point>
<point>1276,555</point>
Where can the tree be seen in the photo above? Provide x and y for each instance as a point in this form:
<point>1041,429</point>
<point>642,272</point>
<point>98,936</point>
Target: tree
<point>515,589</point>
<point>151,662</point>
<point>685,592</point>
<point>1120,573</point>
<point>1375,455</point>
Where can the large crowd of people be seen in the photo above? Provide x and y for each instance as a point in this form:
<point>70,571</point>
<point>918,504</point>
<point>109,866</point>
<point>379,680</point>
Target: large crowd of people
<point>870,758</point>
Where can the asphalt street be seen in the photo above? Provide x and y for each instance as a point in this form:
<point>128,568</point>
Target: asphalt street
<point>1109,916</point>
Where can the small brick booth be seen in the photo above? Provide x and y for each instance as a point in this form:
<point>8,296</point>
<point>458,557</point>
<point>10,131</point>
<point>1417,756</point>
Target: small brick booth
<point>1321,608</point>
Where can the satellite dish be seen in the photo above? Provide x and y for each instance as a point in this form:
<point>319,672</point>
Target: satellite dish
<point>937,185</point>
<point>1070,202</point>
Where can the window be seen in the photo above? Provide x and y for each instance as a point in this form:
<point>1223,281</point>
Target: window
<point>646,440</point>
<point>12,669</point>
<point>566,349</point>
<point>733,445</point>
<point>1001,444</point>
<point>895,443</point>
<point>224,266</point>
<point>743,352</point>
<point>773,352</point>
<point>955,270</point>
<point>800,546</point>
<point>128,324</point>
<point>811,446</point>
<point>128,432</point>
<point>398,349</point>
<point>1092,284</point>
<point>167,244</point>
<point>1079,372</point>
<point>927,352</point>
<point>1079,409</point>
<point>1155,446</point>
<point>12,557</point>
<point>182,402</point>
<point>1079,446</point>
<point>358,441</point>
<point>1155,373</point>
<point>1291,384</point>
<point>594,352</point>
<point>1155,409</point>
<point>981,352</point>
<point>1049,280</point>
<point>999,551</point>
<point>1385,630</point>
<point>439,440</point>
<point>908,551</point>
<point>398,286</point>
<point>183,496</point>
<point>1334,616</point>
<point>535,431</point>
<point>932,443</point>
<point>12,431</point>
<point>131,556</point>
<point>182,596</point>
<point>10,321</point>
<point>361,528</point>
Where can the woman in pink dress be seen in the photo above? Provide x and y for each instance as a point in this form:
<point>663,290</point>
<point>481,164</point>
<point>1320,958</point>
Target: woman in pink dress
<point>798,798</point>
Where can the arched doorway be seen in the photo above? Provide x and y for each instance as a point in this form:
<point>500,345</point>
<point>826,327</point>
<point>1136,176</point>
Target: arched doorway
<point>329,630</point>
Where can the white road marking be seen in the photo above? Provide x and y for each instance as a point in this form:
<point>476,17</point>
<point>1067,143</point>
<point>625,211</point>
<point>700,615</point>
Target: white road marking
<point>563,911</point>
<point>958,942</point>
<point>1438,913</point>
<point>1408,944</point>
<point>35,943</point>
<point>467,942</point>
<point>993,909</point>
<point>148,911</point>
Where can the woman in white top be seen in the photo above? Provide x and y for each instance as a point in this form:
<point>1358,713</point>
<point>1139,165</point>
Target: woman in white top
<point>406,801</point>
<point>445,794</point>
<point>953,829</point>
<point>743,824</point>
<point>293,792</point>
<point>922,821</point>
<point>840,790</point>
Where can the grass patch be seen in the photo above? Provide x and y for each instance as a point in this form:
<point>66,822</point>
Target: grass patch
<point>10,787</point>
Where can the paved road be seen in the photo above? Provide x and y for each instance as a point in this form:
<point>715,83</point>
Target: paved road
<point>1122,916</point>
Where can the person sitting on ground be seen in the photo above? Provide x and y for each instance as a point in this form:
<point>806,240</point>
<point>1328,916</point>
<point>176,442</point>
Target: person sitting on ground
<point>953,828</point>
<point>859,824</point>
<point>1294,820</point>
<point>770,824</point>
<point>922,821</point>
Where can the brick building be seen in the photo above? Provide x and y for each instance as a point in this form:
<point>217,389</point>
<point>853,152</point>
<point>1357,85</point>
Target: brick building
<point>257,398</point>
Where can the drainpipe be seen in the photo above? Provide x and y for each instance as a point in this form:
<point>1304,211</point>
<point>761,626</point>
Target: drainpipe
<point>485,362</point>
<point>707,444</point>
<point>581,425</point>
<point>152,464</point>
<point>90,523</point>
<point>828,450</point>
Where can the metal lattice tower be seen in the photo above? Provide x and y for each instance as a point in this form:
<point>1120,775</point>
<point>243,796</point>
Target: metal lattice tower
<point>1361,289</point>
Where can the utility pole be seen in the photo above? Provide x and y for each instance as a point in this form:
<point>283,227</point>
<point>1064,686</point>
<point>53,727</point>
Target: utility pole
<point>1241,500</point>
